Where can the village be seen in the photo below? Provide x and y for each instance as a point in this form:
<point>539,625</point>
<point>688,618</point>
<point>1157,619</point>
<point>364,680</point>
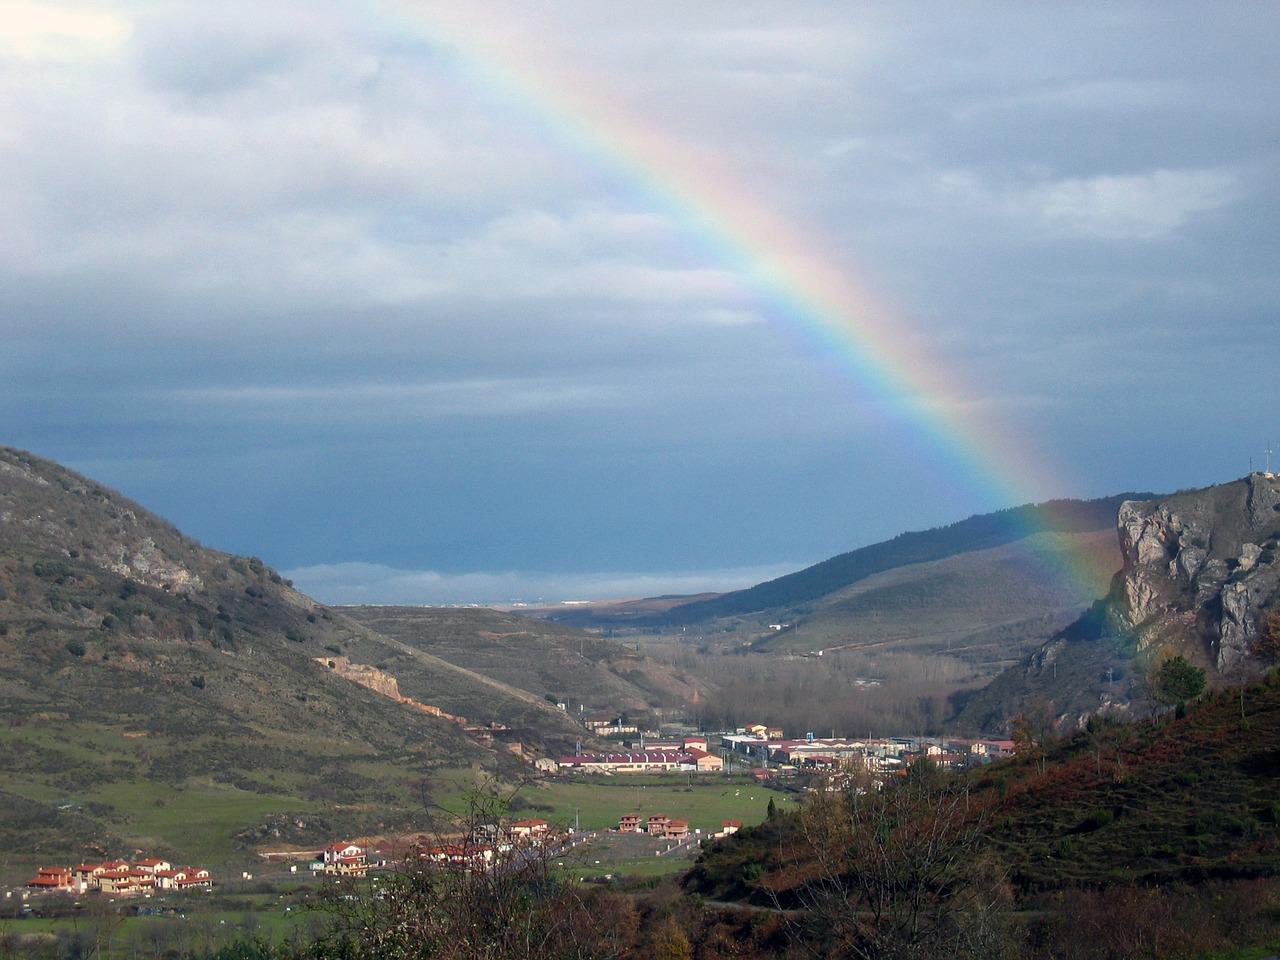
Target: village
<point>769,754</point>
<point>759,750</point>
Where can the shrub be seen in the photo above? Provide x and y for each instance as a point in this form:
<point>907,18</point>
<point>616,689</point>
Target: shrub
<point>75,648</point>
<point>1099,818</point>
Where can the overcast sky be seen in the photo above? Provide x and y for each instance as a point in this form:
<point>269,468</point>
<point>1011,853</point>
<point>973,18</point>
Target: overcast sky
<point>525,303</point>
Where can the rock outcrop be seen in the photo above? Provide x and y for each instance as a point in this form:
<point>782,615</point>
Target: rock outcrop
<point>1200,567</point>
<point>381,682</point>
<point>1200,575</point>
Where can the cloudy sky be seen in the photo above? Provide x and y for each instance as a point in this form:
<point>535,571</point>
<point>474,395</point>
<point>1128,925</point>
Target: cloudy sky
<point>433,302</point>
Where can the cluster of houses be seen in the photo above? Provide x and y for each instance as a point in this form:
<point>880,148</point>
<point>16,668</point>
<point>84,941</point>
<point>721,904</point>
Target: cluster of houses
<point>767,749</point>
<point>689,755</point>
<point>487,847</point>
<point>121,878</point>
<point>884,755</point>
<point>660,825</point>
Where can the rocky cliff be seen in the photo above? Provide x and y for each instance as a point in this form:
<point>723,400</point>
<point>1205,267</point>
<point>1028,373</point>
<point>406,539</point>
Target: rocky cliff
<point>1199,576</point>
<point>1200,570</point>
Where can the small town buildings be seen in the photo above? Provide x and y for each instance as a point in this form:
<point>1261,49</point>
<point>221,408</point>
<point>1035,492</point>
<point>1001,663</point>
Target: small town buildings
<point>647,761</point>
<point>470,856</point>
<point>657,825</point>
<point>529,828</point>
<point>704,762</point>
<point>630,823</point>
<point>345,860</point>
<point>183,878</point>
<point>53,879</point>
<point>121,878</point>
<point>676,829</point>
<point>728,827</point>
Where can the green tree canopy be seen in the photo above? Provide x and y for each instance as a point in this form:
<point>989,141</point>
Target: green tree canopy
<point>1178,681</point>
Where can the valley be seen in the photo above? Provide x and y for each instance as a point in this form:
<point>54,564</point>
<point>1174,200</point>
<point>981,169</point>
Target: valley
<point>163,700</point>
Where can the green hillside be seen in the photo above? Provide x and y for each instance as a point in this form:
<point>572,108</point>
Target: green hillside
<point>144,677</point>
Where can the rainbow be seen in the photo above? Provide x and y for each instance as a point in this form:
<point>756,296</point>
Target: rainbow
<point>837,321</point>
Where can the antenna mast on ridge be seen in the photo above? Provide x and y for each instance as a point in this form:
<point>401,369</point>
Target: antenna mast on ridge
<point>1268,452</point>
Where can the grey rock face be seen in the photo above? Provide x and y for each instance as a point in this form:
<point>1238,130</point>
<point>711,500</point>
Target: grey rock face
<point>1200,566</point>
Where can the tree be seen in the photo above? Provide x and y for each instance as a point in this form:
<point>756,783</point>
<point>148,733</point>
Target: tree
<point>464,895</point>
<point>887,867</point>
<point>1177,681</point>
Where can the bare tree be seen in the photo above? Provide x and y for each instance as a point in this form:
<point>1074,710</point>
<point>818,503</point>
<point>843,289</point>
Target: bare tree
<point>891,871</point>
<point>470,891</point>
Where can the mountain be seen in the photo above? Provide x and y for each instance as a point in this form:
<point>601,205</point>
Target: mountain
<point>982,591</point>
<point>143,676</point>
<point>1198,579</point>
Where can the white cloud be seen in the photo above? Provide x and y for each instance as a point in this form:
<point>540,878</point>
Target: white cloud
<point>355,583</point>
<point>60,32</point>
<point>1145,206</point>
<point>1139,207</point>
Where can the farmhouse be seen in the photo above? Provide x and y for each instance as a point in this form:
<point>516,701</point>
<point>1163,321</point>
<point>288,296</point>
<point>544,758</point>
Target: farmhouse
<point>529,828</point>
<point>53,878</point>
<point>345,860</point>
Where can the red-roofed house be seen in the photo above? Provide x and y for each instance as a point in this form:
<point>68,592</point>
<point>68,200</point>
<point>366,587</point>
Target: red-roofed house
<point>125,882</point>
<point>704,762</point>
<point>630,823</point>
<point>52,878</point>
<point>657,825</point>
<point>729,826</point>
<point>345,859</point>
<point>183,878</point>
<point>529,828</point>
<point>676,829</point>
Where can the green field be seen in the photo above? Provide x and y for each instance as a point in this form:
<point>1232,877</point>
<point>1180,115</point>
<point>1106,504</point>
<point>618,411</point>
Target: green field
<point>597,803</point>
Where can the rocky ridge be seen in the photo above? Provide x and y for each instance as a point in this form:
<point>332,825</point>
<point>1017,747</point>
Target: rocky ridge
<point>1200,569</point>
<point>1200,576</point>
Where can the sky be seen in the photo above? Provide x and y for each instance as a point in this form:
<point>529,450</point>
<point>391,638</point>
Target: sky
<point>429,302</point>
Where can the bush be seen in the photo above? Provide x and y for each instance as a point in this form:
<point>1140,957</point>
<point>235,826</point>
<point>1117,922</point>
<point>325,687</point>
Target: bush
<point>75,648</point>
<point>1097,819</point>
